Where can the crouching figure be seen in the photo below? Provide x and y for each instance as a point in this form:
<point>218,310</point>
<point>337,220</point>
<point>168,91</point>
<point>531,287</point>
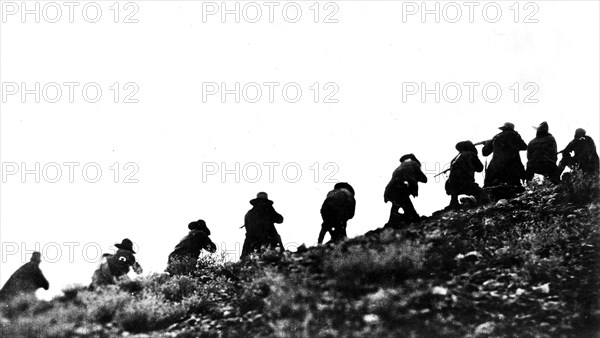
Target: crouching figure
<point>189,248</point>
<point>115,266</point>
<point>26,280</point>
<point>337,209</point>
<point>404,183</point>
<point>462,175</point>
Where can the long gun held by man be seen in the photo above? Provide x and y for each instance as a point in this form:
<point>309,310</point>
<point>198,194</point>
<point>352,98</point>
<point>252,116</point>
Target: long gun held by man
<point>475,144</point>
<point>482,142</point>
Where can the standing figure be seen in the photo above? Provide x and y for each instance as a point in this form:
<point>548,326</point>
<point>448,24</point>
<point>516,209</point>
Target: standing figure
<point>585,157</point>
<point>462,175</point>
<point>506,166</point>
<point>337,209</point>
<point>541,155</point>
<point>404,183</point>
<point>188,249</point>
<point>113,267</point>
<point>26,280</point>
<point>260,225</point>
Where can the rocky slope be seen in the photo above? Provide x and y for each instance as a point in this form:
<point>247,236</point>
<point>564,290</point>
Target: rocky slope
<point>526,267</point>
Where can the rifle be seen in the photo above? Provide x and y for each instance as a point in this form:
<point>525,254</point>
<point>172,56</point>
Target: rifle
<point>482,142</point>
<point>443,172</point>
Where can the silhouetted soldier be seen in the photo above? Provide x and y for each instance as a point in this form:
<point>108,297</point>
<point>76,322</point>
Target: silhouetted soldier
<point>462,175</point>
<point>506,166</point>
<point>260,225</point>
<point>337,209</point>
<point>190,246</point>
<point>26,280</point>
<point>404,183</point>
<point>541,155</point>
<point>585,157</point>
<point>113,267</point>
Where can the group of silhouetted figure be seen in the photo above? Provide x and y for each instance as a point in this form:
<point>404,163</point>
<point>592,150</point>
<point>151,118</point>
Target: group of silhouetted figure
<point>503,179</point>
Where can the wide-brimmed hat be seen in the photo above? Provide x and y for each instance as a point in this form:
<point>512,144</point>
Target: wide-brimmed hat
<point>466,146</point>
<point>411,157</point>
<point>543,127</point>
<point>261,197</point>
<point>199,225</point>
<point>344,185</point>
<point>125,244</point>
<point>507,126</point>
<point>579,132</point>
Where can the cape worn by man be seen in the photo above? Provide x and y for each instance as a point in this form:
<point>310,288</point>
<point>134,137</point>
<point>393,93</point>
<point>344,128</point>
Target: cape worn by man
<point>337,209</point>
<point>404,183</point>
<point>260,225</point>
<point>26,280</point>
<point>541,155</point>
<point>506,166</point>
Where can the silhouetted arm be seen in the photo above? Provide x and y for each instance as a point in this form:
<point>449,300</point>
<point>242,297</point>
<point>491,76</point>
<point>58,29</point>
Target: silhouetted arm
<point>487,148</point>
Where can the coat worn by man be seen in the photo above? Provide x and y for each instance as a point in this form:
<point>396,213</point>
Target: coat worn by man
<point>260,225</point>
<point>188,249</point>
<point>26,280</point>
<point>541,154</point>
<point>462,174</point>
<point>585,156</point>
<point>113,267</point>
<point>337,209</point>
<point>404,183</point>
<point>506,166</point>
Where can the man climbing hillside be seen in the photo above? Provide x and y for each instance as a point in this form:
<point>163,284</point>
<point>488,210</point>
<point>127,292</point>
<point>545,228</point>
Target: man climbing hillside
<point>462,175</point>
<point>260,225</point>
<point>113,267</point>
<point>541,155</point>
<point>26,280</point>
<point>188,249</point>
<point>585,156</point>
<point>506,166</point>
<point>337,209</point>
<point>404,183</point>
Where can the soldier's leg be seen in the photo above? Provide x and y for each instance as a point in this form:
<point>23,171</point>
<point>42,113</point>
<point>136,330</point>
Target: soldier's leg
<point>394,215</point>
<point>247,248</point>
<point>410,214</point>
<point>453,202</point>
<point>322,234</point>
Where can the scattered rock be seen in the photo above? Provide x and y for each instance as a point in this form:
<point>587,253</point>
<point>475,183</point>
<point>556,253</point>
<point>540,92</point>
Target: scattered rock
<point>484,329</point>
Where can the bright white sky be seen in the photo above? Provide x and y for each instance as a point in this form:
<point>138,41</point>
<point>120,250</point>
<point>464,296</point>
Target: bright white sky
<point>172,136</point>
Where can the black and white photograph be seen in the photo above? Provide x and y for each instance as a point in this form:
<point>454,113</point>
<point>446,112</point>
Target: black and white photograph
<point>302,168</point>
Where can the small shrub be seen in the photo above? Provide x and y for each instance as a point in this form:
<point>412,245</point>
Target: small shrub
<point>178,287</point>
<point>103,303</point>
<point>149,313</point>
<point>581,188</point>
<point>359,267</point>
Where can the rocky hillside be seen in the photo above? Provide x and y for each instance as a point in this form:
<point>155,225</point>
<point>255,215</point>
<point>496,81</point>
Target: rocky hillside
<point>526,267</point>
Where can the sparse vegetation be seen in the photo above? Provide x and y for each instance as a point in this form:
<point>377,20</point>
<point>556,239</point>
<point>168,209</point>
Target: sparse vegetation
<point>526,268</point>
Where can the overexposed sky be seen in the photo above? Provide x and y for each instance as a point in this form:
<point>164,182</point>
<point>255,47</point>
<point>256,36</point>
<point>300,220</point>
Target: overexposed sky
<point>178,141</point>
